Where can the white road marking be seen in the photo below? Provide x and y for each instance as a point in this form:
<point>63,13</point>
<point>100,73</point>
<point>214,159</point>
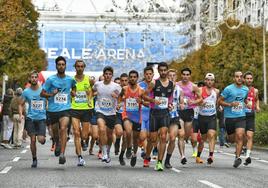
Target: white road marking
<point>24,151</point>
<point>175,170</point>
<point>264,161</point>
<point>5,170</point>
<point>16,159</point>
<point>209,184</point>
<point>27,147</point>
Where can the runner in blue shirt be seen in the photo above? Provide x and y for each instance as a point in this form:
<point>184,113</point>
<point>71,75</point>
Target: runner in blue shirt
<point>233,99</point>
<point>58,89</point>
<point>35,123</point>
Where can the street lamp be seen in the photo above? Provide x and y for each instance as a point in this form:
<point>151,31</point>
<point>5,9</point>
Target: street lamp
<point>264,55</point>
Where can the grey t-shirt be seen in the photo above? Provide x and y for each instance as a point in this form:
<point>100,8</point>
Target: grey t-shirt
<point>105,103</point>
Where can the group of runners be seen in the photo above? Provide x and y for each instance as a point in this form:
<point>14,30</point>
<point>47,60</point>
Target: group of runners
<point>131,113</point>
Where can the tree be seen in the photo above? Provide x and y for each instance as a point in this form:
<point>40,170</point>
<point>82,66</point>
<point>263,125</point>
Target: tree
<point>19,48</point>
<point>240,49</point>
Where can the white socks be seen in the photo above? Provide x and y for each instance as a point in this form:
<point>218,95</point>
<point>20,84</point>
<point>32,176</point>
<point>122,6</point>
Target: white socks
<point>248,153</point>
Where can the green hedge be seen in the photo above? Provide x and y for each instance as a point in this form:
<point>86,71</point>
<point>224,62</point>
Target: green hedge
<point>261,134</point>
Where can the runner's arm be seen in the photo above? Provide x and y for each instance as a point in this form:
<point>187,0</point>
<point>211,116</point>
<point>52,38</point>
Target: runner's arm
<point>257,100</point>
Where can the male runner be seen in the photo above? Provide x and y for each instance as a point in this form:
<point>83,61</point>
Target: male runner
<point>252,107</point>
<point>161,102</point>
<point>207,117</point>
<point>132,96</point>
<point>174,118</point>
<point>233,99</point>
<point>120,109</point>
<point>191,98</point>
<point>58,89</point>
<point>81,109</point>
<point>106,103</point>
<point>35,123</point>
<point>145,110</point>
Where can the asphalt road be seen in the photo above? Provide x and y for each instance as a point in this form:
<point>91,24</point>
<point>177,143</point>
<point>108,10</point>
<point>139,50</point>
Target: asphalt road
<point>16,171</point>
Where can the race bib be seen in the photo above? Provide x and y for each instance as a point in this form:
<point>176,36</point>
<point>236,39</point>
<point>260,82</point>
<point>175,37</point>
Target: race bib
<point>105,104</point>
<point>208,108</point>
<point>238,109</point>
<point>163,102</point>
<point>37,105</point>
<point>185,102</point>
<point>61,98</point>
<point>132,105</point>
<point>81,97</point>
<point>196,112</point>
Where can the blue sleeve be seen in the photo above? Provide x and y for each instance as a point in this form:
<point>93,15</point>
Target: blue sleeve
<point>225,93</point>
<point>24,95</point>
<point>47,85</point>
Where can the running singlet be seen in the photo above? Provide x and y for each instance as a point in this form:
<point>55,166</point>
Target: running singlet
<point>188,95</point>
<point>37,104</point>
<point>81,100</point>
<point>234,94</point>
<point>251,100</point>
<point>105,103</point>
<point>132,109</point>
<point>163,94</point>
<point>62,100</point>
<point>176,102</point>
<point>209,106</point>
<point>145,111</point>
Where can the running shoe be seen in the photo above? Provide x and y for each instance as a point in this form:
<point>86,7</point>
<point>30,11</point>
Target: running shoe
<point>34,164</point>
<point>183,161</point>
<point>247,161</point>
<point>237,162</point>
<point>62,159</point>
<point>194,154</point>
<point>199,160</point>
<point>167,165</point>
<point>155,153</point>
<point>84,145</point>
<point>57,150</point>
<point>81,161</point>
<point>133,161</point>
<point>122,161</point>
<point>146,163</point>
<point>210,160</point>
<point>159,166</point>
<point>106,158</point>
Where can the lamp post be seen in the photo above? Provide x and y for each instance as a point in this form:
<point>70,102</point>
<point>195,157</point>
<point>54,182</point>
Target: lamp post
<point>264,55</point>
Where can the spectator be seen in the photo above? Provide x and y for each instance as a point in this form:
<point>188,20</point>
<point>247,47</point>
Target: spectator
<point>7,121</point>
<point>18,118</point>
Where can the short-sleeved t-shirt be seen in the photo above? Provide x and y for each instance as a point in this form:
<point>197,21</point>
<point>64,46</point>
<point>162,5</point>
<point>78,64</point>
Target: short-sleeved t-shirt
<point>232,93</point>
<point>105,103</point>
<point>62,100</point>
<point>36,104</point>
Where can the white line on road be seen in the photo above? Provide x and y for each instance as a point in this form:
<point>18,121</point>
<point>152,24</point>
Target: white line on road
<point>209,184</point>
<point>16,159</point>
<point>24,151</point>
<point>27,147</point>
<point>5,170</point>
<point>175,170</point>
<point>264,161</point>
